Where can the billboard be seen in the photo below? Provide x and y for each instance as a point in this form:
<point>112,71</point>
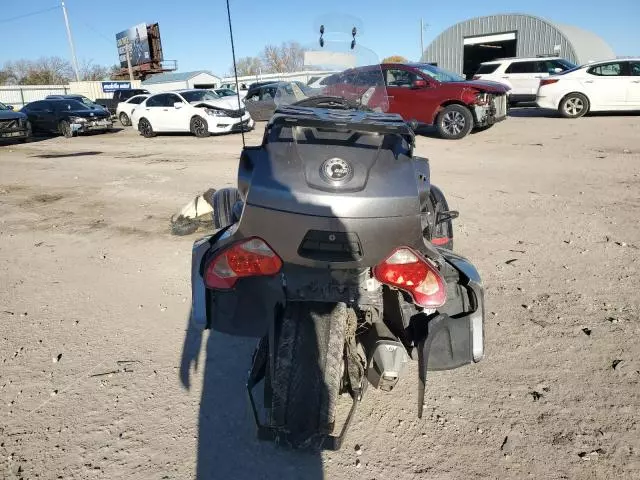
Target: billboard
<point>137,38</point>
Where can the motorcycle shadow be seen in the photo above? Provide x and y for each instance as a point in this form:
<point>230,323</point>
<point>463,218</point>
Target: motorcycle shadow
<point>227,443</point>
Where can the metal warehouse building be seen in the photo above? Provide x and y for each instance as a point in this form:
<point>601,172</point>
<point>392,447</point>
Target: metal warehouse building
<point>163,82</point>
<point>465,45</point>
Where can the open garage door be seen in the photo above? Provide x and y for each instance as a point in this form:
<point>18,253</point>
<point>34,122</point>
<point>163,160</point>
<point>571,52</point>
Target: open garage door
<point>486,48</point>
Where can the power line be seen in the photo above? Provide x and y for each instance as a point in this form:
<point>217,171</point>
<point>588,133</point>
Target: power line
<point>5,20</point>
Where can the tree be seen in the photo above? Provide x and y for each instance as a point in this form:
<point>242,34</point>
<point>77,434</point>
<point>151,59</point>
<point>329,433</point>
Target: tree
<point>288,57</point>
<point>395,59</point>
<point>247,66</point>
<point>49,71</point>
<point>91,71</point>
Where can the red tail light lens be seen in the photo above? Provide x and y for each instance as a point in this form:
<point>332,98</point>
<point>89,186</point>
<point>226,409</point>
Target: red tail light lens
<point>408,270</point>
<point>248,258</point>
<point>548,81</point>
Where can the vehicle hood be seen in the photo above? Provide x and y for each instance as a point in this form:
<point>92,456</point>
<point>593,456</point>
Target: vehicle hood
<point>485,86</point>
<point>229,103</point>
<point>11,115</point>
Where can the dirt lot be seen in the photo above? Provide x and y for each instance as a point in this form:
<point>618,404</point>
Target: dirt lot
<point>95,382</point>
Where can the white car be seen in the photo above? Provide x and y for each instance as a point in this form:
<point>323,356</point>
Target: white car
<point>124,109</point>
<point>612,85</point>
<point>200,112</point>
<point>522,75</point>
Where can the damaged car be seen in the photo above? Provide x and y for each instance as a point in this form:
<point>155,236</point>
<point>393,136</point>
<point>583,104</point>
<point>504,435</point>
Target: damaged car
<point>13,125</point>
<point>201,112</point>
<point>428,95</point>
<point>67,117</point>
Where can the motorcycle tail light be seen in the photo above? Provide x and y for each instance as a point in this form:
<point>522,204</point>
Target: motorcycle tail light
<point>408,270</point>
<point>248,258</point>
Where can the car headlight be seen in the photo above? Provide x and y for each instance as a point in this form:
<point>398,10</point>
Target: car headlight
<point>77,120</point>
<point>214,113</point>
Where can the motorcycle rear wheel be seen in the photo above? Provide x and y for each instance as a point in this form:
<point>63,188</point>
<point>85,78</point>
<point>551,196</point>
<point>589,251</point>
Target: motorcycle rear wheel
<point>307,369</point>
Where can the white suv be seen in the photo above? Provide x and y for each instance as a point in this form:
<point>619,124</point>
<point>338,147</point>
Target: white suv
<point>522,74</point>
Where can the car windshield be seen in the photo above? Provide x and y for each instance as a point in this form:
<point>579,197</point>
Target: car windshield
<point>199,96</point>
<point>225,92</point>
<point>567,63</point>
<point>439,74</point>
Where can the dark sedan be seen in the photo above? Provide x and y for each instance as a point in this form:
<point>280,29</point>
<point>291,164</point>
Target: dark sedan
<point>67,117</point>
<point>13,125</point>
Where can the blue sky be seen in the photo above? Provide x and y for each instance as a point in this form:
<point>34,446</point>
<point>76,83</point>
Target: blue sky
<point>195,32</point>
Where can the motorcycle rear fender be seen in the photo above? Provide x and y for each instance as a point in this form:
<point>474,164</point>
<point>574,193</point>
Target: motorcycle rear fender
<point>457,339</point>
<point>246,310</point>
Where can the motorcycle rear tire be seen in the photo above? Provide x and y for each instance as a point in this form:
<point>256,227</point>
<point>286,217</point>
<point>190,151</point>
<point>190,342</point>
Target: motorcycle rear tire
<point>308,364</point>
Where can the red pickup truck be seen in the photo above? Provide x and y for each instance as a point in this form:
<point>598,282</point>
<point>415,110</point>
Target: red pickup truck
<point>432,96</point>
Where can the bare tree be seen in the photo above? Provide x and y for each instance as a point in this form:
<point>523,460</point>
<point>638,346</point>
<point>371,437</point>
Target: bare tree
<point>288,57</point>
<point>247,66</point>
<point>395,59</point>
<point>49,71</point>
<point>91,71</point>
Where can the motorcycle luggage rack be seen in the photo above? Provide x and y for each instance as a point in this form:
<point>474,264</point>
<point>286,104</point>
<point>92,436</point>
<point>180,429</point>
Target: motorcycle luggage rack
<point>280,436</point>
<point>354,120</point>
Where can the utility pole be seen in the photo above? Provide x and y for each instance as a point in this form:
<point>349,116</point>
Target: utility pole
<point>128,49</point>
<point>421,39</point>
<point>73,49</point>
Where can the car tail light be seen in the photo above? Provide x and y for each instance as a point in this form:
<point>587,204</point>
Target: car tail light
<point>477,77</point>
<point>408,270</point>
<point>248,258</point>
<point>548,81</point>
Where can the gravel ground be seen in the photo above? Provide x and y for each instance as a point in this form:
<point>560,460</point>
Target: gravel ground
<point>99,379</point>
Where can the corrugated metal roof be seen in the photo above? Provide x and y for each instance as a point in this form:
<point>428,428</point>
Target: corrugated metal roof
<point>535,36</point>
<point>175,77</point>
<point>587,45</point>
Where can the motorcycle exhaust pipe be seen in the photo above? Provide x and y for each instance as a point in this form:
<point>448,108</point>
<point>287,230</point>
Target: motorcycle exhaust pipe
<point>386,357</point>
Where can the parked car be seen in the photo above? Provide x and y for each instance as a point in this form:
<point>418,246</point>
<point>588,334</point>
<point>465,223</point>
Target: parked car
<point>261,100</point>
<point>319,81</point>
<point>13,125</point>
<point>111,104</point>
<point>67,117</point>
<point>200,112</point>
<point>80,98</point>
<point>430,95</point>
<point>124,109</point>
<point>612,85</point>
<point>230,92</point>
<point>522,75</point>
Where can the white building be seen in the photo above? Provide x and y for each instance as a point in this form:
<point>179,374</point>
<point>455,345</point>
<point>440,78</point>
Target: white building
<point>163,82</point>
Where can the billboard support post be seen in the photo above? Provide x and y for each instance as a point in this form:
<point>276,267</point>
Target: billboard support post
<point>73,49</point>
<point>129,62</point>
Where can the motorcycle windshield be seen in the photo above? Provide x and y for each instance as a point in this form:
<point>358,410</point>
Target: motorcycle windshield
<point>347,75</point>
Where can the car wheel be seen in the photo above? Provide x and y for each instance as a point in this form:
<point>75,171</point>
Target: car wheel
<point>124,119</point>
<point>65,129</point>
<point>574,105</point>
<point>454,122</point>
<point>145,128</point>
<point>199,127</point>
